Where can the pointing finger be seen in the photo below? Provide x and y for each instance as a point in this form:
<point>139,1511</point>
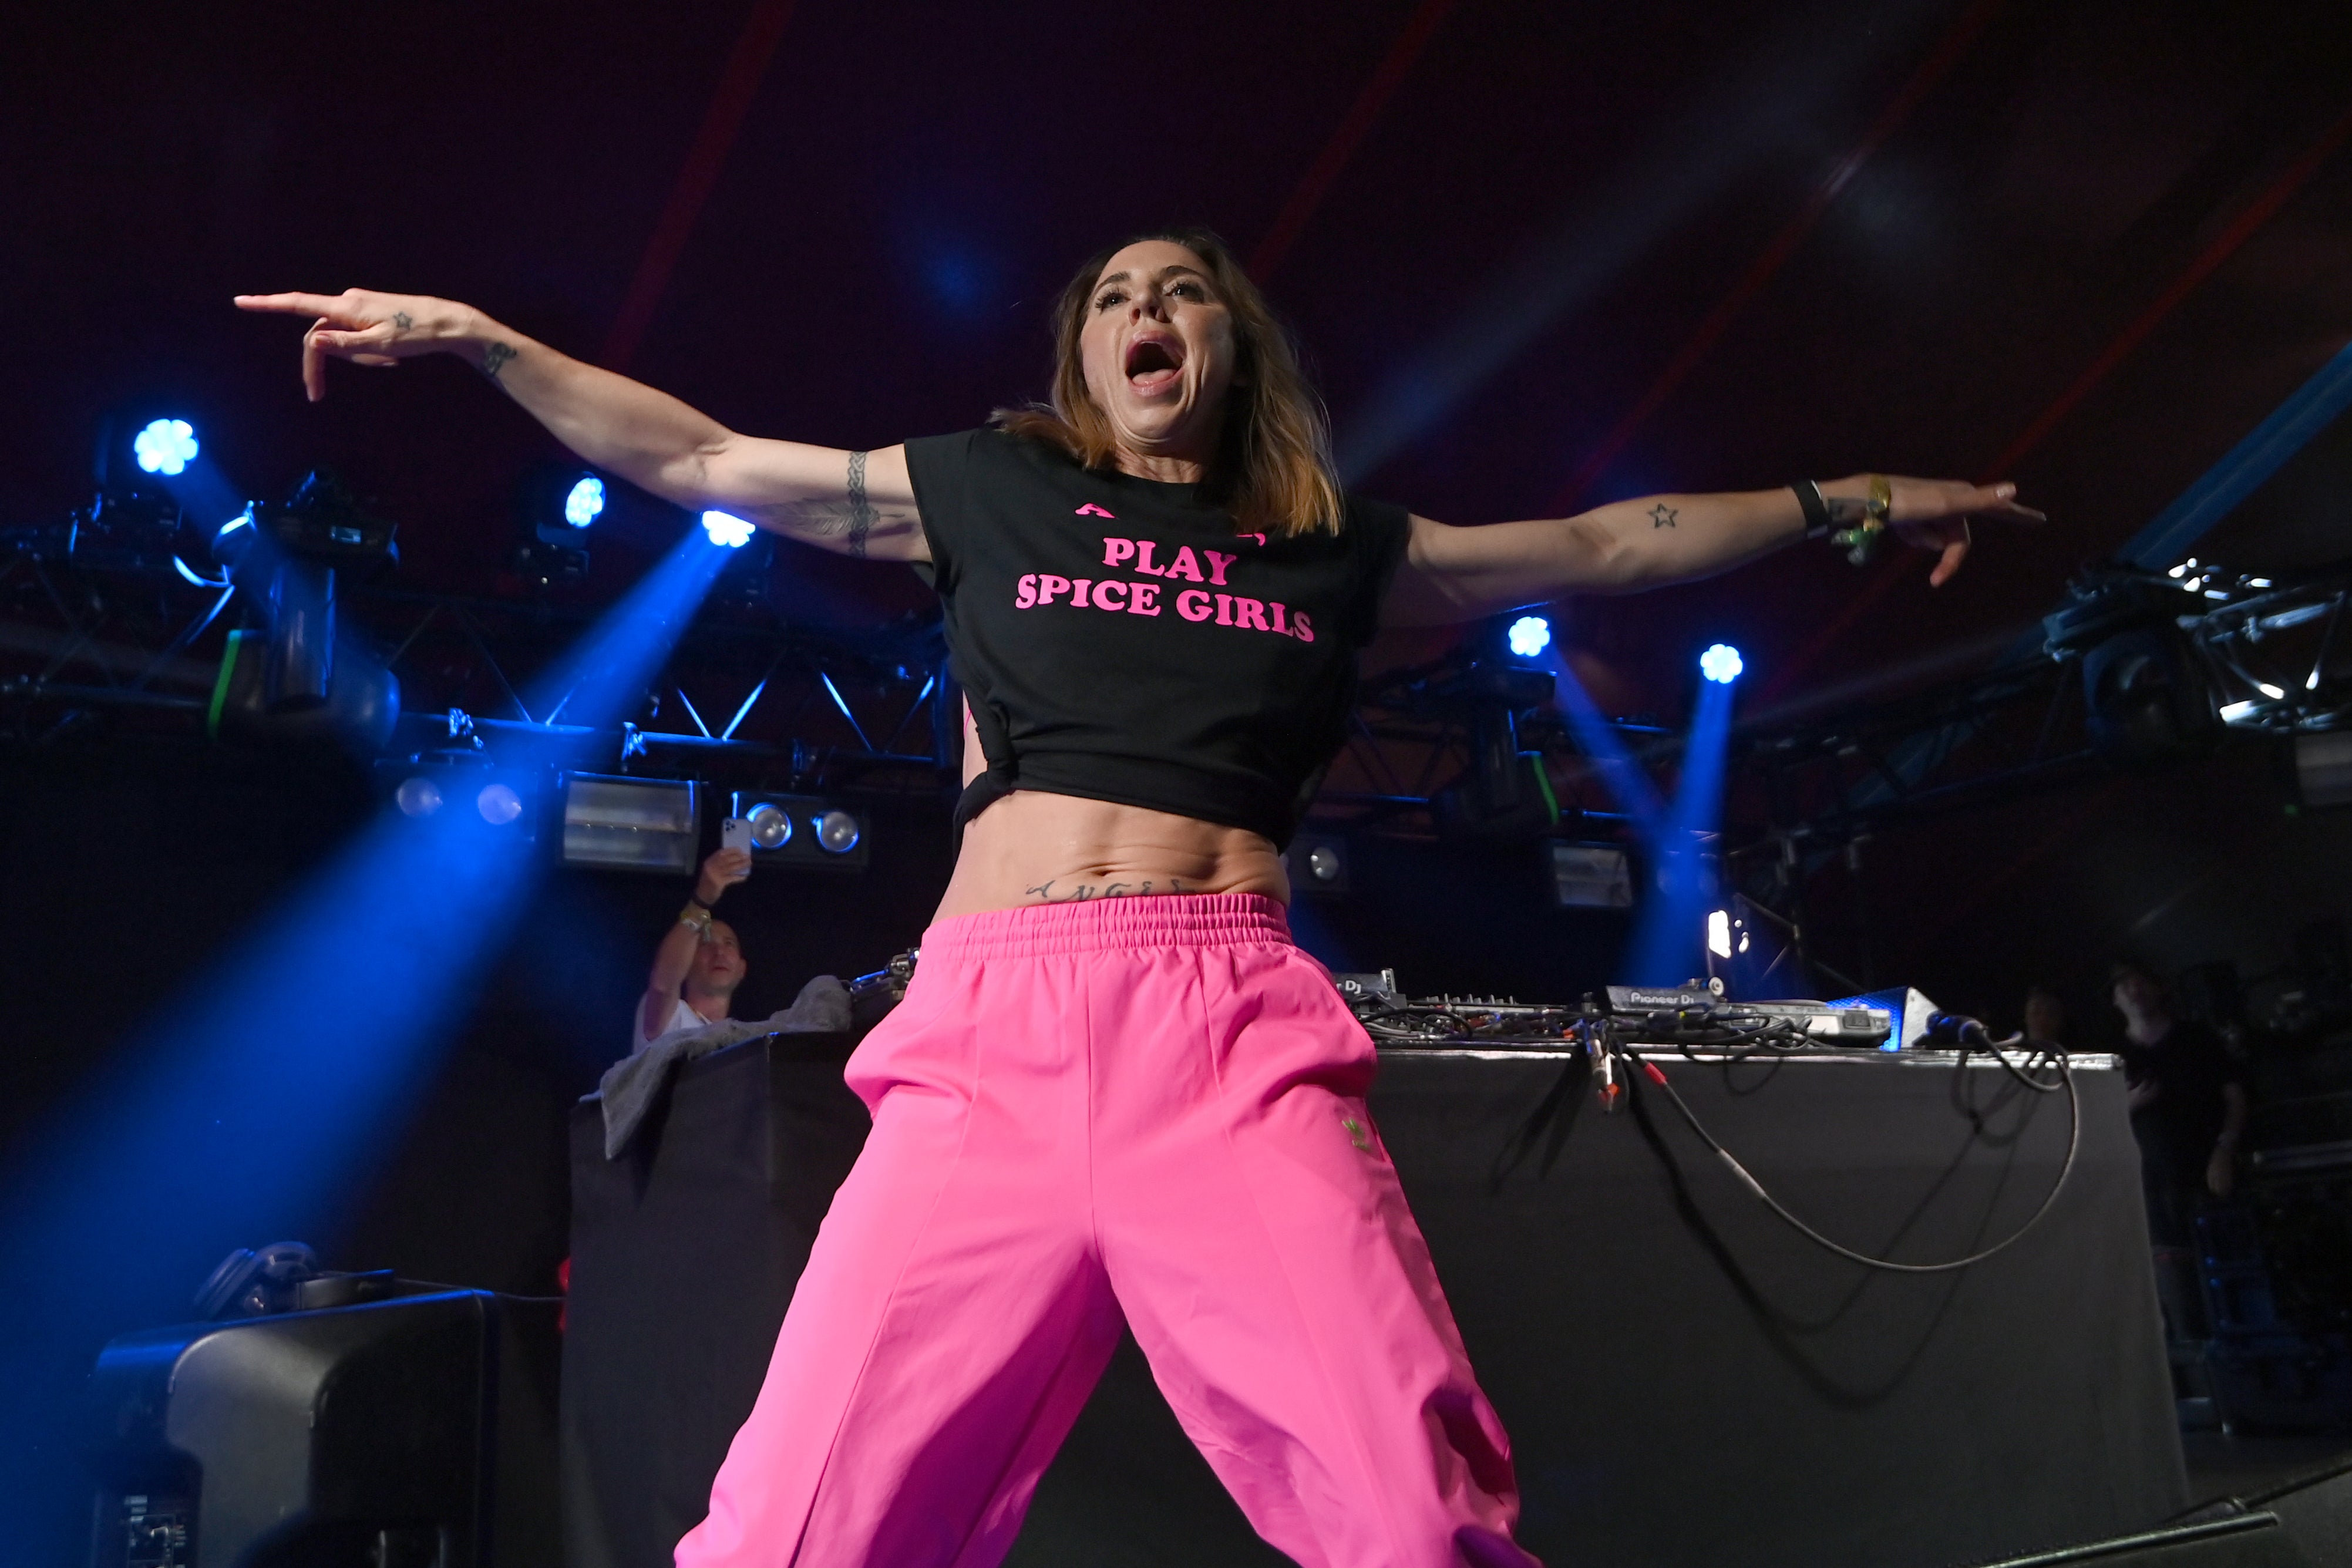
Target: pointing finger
<point>2000,500</point>
<point>291,304</point>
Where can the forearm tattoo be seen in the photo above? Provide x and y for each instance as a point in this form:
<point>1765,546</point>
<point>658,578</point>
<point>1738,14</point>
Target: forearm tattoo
<point>494,358</point>
<point>861,516</point>
<point>1663,516</point>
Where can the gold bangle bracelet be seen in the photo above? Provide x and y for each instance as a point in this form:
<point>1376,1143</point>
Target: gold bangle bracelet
<point>1861,542</point>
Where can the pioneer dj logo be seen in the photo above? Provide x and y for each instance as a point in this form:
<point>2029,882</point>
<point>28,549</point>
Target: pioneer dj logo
<point>1633,997</point>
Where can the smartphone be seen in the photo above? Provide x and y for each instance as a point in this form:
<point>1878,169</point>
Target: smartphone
<point>735,834</point>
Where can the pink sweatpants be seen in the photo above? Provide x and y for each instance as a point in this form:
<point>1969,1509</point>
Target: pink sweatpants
<point>1149,1106</point>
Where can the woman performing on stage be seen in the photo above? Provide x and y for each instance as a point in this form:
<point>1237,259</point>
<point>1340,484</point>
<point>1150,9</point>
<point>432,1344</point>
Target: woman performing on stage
<point>1116,1091</point>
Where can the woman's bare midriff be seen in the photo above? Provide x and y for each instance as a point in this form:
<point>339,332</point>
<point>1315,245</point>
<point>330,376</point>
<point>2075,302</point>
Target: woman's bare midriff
<point>1032,847</point>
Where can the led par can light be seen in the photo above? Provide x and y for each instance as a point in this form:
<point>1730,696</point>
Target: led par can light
<point>1317,863</point>
<point>802,832</point>
<point>631,824</point>
<point>463,793</point>
<point>771,826</point>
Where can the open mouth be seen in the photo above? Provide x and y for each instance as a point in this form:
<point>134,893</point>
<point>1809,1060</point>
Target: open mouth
<point>1153,364</point>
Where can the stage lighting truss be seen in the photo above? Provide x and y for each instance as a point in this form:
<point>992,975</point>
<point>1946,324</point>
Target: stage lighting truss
<point>2168,663</point>
<point>2271,648</point>
<point>1471,744</point>
<point>104,612</point>
<point>801,832</point>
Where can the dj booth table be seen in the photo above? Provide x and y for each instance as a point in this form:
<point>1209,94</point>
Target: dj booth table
<point>1685,1380</point>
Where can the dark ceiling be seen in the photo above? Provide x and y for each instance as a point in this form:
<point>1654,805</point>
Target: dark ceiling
<point>1540,255</point>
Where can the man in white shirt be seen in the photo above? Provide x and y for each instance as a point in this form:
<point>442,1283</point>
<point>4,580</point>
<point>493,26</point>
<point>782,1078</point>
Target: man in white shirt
<point>698,964</point>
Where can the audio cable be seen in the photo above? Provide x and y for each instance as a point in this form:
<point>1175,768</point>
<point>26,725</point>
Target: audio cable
<point>1970,1037</point>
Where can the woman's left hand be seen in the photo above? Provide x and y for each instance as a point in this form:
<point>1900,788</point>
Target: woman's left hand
<point>1930,514</point>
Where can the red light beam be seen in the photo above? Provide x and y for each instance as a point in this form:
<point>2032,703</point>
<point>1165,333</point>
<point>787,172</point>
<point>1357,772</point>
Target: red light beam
<point>730,102</point>
<point>1308,195</point>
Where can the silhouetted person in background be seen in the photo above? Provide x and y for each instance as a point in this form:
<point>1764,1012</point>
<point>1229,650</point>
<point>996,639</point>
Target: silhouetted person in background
<point>2188,1100</point>
<point>2045,1016</point>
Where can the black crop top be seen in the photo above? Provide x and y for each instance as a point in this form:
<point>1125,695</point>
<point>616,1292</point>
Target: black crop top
<point>1119,641</point>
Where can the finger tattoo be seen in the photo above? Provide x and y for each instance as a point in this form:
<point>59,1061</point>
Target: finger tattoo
<point>494,359</point>
<point>861,516</point>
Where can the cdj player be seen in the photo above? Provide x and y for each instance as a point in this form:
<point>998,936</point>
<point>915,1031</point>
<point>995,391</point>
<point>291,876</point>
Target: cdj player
<point>1696,1015</point>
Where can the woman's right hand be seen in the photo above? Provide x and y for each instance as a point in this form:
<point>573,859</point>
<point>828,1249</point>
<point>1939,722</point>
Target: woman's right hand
<point>368,328</point>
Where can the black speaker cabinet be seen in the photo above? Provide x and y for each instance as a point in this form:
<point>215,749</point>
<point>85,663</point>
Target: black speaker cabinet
<point>413,1433</point>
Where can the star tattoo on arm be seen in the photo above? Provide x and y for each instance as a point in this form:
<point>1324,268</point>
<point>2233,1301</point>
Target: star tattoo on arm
<point>402,320</point>
<point>1663,516</point>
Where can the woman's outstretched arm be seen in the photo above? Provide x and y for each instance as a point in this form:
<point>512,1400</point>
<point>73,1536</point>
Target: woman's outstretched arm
<point>854,503</point>
<point>1461,573</point>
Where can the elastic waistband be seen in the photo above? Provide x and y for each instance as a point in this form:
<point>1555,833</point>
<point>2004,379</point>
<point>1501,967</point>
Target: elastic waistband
<point>1108,925</point>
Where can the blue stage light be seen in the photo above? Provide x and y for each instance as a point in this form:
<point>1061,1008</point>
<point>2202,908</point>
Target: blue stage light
<point>586,500</point>
<point>731,532</point>
<point>1528,636</point>
<point>165,447</point>
<point>1721,664</point>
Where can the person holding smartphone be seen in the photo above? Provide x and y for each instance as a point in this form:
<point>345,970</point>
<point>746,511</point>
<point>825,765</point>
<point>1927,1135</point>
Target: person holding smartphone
<point>699,964</point>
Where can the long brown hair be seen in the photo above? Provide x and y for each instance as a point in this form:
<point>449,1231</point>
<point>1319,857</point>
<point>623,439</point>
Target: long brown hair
<point>1273,465</point>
